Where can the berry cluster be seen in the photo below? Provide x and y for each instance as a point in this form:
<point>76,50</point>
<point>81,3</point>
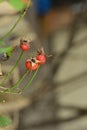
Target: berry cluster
<point>34,62</point>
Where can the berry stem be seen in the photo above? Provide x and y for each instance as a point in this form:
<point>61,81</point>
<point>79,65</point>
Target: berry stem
<point>30,81</point>
<point>16,23</point>
<point>5,91</point>
<point>12,69</point>
<point>19,81</point>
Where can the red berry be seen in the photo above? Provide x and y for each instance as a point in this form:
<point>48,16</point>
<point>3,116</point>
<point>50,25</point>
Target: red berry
<point>41,58</point>
<point>24,45</point>
<point>31,64</point>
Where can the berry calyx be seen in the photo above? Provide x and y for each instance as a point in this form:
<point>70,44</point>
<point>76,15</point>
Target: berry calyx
<point>24,45</point>
<point>32,64</point>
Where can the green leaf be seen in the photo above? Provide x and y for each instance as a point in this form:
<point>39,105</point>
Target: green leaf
<point>9,53</point>
<point>17,4</point>
<point>5,121</point>
<point>6,49</point>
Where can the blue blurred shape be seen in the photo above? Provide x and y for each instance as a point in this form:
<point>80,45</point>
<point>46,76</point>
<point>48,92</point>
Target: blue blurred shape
<point>43,6</point>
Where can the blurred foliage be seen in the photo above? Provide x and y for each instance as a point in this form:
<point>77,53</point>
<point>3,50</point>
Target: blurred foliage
<point>17,4</point>
<point>7,50</point>
<point>2,43</point>
<point>1,0</point>
<point>5,121</point>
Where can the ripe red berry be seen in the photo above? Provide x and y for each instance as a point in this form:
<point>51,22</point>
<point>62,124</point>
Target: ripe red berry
<point>41,58</point>
<point>24,45</point>
<point>31,64</point>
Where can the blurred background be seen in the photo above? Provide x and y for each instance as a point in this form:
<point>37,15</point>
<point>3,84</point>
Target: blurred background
<point>58,95</point>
